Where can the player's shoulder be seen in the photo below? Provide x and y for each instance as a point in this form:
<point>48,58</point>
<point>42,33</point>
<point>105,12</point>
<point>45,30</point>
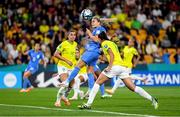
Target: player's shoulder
<point>40,52</point>
<point>64,42</point>
<point>31,51</point>
<point>106,43</point>
<point>133,49</point>
<point>125,47</point>
<point>101,28</point>
<point>75,43</point>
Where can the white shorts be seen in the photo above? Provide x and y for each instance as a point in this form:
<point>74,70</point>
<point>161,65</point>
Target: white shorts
<point>117,70</point>
<point>62,69</point>
<point>129,70</point>
<point>85,76</point>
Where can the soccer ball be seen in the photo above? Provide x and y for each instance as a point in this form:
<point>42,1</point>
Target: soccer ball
<point>86,14</point>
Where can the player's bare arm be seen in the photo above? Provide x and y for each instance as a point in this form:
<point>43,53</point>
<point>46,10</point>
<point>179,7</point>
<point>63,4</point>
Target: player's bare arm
<point>94,38</point>
<point>136,60</point>
<point>58,55</point>
<point>111,60</point>
<point>108,19</point>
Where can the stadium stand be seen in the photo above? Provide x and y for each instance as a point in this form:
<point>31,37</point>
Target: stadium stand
<point>22,22</point>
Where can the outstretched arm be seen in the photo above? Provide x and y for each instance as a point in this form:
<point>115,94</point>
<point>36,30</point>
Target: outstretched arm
<point>108,19</point>
<point>136,60</point>
<point>58,55</point>
<point>26,51</point>
<point>94,38</point>
<point>111,59</point>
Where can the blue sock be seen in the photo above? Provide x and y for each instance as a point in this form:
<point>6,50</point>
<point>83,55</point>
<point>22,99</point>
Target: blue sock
<point>102,89</point>
<point>90,80</point>
<point>73,74</point>
<point>25,83</point>
<point>28,82</point>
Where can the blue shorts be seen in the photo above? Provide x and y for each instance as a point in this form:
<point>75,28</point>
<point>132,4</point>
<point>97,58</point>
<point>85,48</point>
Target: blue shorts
<point>96,68</point>
<point>31,69</point>
<point>90,58</point>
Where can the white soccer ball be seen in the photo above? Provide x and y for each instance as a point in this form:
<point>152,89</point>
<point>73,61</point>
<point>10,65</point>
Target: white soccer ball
<point>86,14</point>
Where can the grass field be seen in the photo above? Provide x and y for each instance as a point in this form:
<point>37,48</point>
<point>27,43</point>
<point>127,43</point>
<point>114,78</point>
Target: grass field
<point>40,102</point>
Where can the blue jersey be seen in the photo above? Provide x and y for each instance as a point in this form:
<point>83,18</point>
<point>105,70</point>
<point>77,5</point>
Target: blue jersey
<point>35,57</point>
<point>92,45</point>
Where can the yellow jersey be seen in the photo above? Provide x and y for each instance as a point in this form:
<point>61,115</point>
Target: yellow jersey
<point>21,47</point>
<point>83,70</point>
<point>129,52</point>
<point>68,51</point>
<point>43,28</point>
<point>111,45</point>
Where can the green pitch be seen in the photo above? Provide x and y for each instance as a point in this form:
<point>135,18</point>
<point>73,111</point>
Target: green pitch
<point>40,102</point>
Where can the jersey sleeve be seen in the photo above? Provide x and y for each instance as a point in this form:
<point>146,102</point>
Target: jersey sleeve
<point>105,46</point>
<point>123,50</point>
<point>99,30</point>
<point>42,55</point>
<point>60,47</point>
<point>135,52</point>
<point>29,52</point>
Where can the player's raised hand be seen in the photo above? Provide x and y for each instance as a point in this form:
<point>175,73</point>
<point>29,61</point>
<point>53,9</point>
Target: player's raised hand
<point>94,38</point>
<point>88,32</point>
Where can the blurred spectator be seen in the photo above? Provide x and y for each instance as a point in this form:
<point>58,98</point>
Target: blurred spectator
<point>107,11</point>
<point>177,56</point>
<point>158,56</point>
<point>165,57</point>
<point>4,54</point>
<point>14,52</point>
<point>156,11</point>
<point>19,59</point>
<point>151,47</point>
<point>141,17</point>
<point>136,24</point>
<point>166,23</point>
<point>148,22</point>
<point>165,43</point>
<point>9,46</point>
<point>44,28</point>
<point>178,39</point>
<point>130,2</point>
<point>1,58</point>
<point>48,55</point>
<point>22,46</point>
<point>174,5</point>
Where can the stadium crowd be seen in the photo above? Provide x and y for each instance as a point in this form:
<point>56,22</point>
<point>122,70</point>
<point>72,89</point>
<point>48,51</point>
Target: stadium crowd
<point>154,24</point>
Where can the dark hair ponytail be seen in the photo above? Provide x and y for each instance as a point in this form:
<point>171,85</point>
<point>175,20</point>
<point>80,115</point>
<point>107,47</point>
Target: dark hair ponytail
<point>103,36</point>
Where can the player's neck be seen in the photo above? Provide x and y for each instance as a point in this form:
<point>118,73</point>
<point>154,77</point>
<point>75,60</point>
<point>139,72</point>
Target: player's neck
<point>129,46</point>
<point>102,41</point>
<point>70,41</point>
<point>36,50</point>
<point>97,26</point>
